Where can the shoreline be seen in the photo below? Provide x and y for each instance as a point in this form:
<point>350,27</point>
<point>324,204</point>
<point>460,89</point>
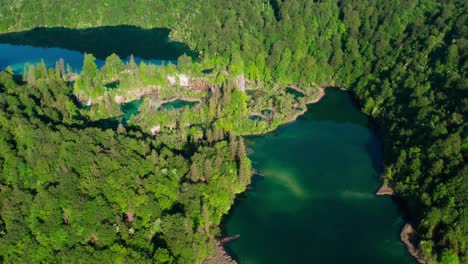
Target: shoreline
<point>220,255</point>
<point>385,190</point>
<point>320,95</point>
<point>181,98</point>
<point>408,234</point>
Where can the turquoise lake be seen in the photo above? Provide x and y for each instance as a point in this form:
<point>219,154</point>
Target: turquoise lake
<point>316,202</point>
<point>177,104</point>
<point>130,109</point>
<point>51,44</point>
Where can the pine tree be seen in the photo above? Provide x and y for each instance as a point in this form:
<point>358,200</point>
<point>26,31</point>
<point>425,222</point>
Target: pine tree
<point>132,63</point>
<point>208,172</point>
<point>194,172</point>
<point>31,76</point>
<point>241,154</point>
<point>233,146</point>
<point>244,163</point>
<point>60,67</point>
<point>209,135</point>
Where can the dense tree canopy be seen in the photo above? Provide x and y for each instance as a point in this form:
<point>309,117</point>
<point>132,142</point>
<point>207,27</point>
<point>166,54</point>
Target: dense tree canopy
<point>72,192</point>
<point>404,60</point>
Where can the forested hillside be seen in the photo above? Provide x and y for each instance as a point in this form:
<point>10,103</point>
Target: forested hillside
<point>72,192</point>
<point>404,60</point>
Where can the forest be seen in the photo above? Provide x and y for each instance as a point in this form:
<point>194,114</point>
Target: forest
<point>405,61</point>
<point>70,188</point>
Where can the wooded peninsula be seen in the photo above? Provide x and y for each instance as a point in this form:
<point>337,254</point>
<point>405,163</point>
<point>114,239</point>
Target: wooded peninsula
<point>82,181</point>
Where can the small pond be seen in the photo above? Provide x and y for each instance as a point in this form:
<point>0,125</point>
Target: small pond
<point>294,92</point>
<point>177,104</point>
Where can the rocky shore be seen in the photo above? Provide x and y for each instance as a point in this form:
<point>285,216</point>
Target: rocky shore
<point>408,236</point>
<point>220,256</point>
<point>385,190</point>
<point>320,95</point>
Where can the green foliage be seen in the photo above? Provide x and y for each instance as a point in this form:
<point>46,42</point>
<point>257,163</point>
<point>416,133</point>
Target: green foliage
<point>405,61</point>
<point>88,86</point>
<point>113,67</point>
<point>448,257</point>
<point>70,190</point>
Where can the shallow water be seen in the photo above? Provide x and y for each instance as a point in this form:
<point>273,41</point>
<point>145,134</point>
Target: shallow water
<point>130,109</point>
<point>315,202</point>
<point>176,104</point>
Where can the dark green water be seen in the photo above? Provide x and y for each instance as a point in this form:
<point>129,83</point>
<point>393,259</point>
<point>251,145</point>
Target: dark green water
<point>177,104</point>
<point>129,109</point>
<point>19,49</point>
<point>294,92</point>
<point>256,118</point>
<point>267,112</point>
<point>51,44</point>
<point>132,108</point>
<point>315,202</point>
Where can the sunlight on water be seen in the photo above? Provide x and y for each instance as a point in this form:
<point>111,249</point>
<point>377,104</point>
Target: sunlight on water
<point>316,202</point>
<point>287,179</point>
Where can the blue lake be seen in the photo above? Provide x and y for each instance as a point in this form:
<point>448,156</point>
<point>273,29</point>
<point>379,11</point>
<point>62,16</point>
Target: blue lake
<point>50,44</point>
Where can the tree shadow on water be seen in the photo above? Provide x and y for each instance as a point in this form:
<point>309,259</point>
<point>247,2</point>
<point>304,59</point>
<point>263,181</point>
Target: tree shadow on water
<point>103,41</point>
<point>375,150</point>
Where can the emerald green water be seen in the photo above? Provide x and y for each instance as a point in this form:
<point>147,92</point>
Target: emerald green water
<point>315,202</point>
<point>256,118</point>
<point>294,92</point>
<point>129,109</point>
<point>176,104</point>
<point>153,46</point>
<point>132,108</point>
